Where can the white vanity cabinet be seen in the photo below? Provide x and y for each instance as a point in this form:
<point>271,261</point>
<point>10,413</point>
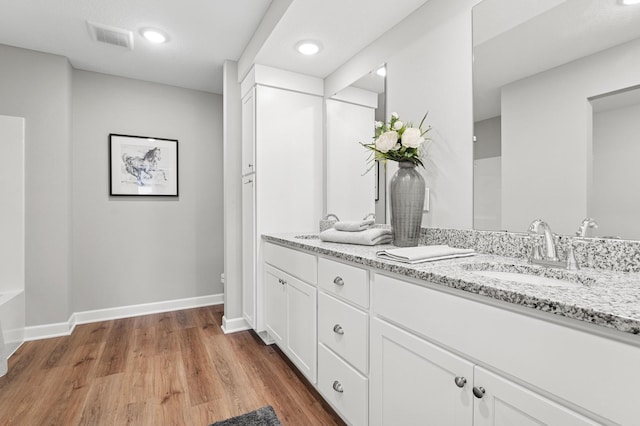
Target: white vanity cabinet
<point>548,373</point>
<point>290,305</point>
<point>392,350</point>
<point>505,403</point>
<point>343,338</point>
<point>416,382</point>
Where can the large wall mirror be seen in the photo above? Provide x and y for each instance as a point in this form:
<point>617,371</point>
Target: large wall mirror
<point>352,192</point>
<point>557,115</point>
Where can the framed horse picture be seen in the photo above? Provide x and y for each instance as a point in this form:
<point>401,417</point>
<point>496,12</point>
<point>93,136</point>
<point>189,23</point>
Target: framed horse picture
<point>140,165</point>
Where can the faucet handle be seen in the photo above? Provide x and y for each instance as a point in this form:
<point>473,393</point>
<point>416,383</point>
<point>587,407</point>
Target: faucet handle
<point>586,224</point>
<point>572,264</point>
<point>535,252</point>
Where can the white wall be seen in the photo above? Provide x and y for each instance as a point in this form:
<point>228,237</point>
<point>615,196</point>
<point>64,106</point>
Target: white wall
<point>129,250</point>
<point>434,74</point>
<point>546,137</point>
<point>12,271</point>
<point>37,86</point>
<point>616,175</point>
<point>487,193</point>
<point>488,142</point>
<point>487,175</point>
<point>350,192</point>
<point>428,59</point>
<point>12,198</point>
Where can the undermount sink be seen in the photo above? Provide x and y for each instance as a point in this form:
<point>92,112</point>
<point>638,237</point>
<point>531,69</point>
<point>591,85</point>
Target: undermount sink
<point>307,237</point>
<point>524,274</point>
<point>526,278</point>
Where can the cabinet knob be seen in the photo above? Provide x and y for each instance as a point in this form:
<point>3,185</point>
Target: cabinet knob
<point>250,166</point>
<point>460,381</point>
<point>338,387</point>
<point>248,182</point>
<point>478,391</point>
<point>281,281</point>
<point>338,281</point>
<point>338,329</point>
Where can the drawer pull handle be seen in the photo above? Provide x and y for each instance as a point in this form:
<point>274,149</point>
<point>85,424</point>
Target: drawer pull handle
<point>460,381</point>
<point>338,281</point>
<point>478,392</point>
<point>338,387</point>
<point>338,329</point>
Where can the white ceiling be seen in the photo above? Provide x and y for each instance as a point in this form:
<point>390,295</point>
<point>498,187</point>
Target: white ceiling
<point>571,30</point>
<point>204,33</point>
<point>343,27</point>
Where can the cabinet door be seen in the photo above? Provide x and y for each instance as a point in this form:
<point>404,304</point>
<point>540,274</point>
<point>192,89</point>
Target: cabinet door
<point>248,251</point>
<point>288,148</point>
<point>413,382</point>
<point>248,133</point>
<point>274,304</point>
<point>301,326</point>
<point>505,404</point>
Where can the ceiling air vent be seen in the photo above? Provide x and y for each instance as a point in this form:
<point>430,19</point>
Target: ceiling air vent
<point>111,35</point>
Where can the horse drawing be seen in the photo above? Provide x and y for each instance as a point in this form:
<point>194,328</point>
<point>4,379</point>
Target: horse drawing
<point>142,168</point>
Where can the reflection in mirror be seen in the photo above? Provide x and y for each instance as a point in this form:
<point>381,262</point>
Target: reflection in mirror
<point>544,146</point>
<point>351,114</point>
<point>614,197</point>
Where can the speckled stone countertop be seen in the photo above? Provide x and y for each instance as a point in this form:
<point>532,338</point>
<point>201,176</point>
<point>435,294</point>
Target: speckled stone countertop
<point>606,298</point>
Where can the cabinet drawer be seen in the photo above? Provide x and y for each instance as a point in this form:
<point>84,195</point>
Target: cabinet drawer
<point>344,329</point>
<point>345,281</point>
<point>299,264</point>
<point>345,388</point>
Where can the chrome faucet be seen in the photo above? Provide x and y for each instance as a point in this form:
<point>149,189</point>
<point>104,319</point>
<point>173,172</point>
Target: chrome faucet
<point>549,244</point>
<point>586,224</point>
<point>550,256</point>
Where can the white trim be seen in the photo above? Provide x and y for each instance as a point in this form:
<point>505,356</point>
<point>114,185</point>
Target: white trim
<point>37,332</point>
<point>234,325</point>
<point>66,328</point>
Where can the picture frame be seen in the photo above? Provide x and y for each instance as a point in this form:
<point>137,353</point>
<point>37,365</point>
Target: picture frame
<point>142,166</point>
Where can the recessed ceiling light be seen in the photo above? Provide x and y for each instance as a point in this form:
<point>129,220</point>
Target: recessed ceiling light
<point>382,71</point>
<point>630,2</point>
<point>154,35</point>
<point>308,47</point>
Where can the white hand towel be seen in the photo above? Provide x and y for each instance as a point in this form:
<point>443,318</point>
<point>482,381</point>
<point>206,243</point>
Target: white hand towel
<point>354,226</point>
<point>368,237</point>
<point>424,253</point>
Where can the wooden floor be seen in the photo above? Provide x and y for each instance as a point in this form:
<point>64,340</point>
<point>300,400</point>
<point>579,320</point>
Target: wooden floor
<point>174,368</point>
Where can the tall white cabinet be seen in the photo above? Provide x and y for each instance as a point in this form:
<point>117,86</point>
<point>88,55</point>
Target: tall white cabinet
<point>282,165</point>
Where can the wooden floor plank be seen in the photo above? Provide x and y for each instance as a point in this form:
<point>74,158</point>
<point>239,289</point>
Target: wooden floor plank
<point>116,348</point>
<point>168,368</point>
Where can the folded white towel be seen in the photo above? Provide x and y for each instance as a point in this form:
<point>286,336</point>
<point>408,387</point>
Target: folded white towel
<point>368,237</point>
<point>354,226</point>
<point>424,253</point>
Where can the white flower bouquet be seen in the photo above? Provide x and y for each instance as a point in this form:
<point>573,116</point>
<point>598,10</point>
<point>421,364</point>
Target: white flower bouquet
<point>398,141</point>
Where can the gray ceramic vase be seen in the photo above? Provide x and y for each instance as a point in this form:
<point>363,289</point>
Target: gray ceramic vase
<point>407,201</point>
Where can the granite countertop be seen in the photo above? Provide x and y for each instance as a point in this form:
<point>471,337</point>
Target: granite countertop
<point>606,298</point>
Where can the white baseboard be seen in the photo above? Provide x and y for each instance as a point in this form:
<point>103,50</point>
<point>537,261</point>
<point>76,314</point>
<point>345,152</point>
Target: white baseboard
<point>37,332</point>
<point>234,325</point>
<point>66,328</point>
